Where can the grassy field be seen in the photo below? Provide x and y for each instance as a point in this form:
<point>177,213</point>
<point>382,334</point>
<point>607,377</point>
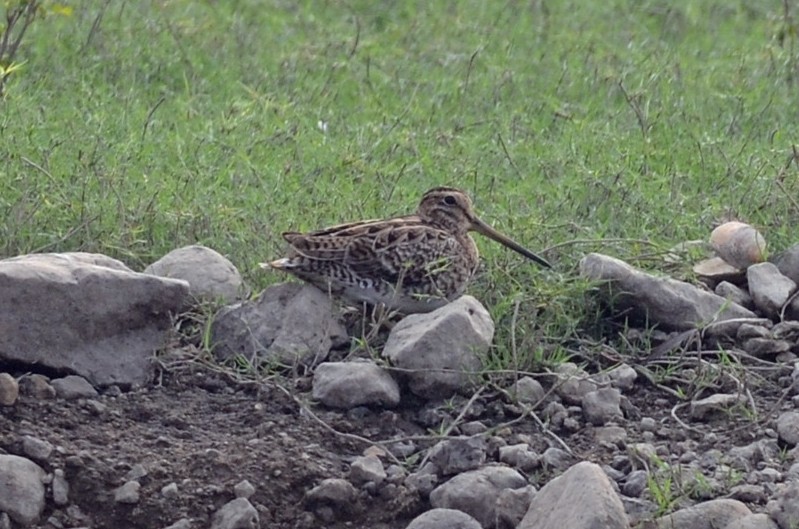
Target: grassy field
<point>622,126</point>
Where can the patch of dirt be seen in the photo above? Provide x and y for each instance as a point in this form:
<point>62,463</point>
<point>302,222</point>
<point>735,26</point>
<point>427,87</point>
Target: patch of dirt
<point>206,431</point>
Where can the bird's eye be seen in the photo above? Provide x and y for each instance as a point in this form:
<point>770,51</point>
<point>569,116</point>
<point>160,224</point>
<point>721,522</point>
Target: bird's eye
<point>449,200</point>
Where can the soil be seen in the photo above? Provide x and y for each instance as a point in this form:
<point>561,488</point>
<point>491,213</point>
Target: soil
<point>206,430</point>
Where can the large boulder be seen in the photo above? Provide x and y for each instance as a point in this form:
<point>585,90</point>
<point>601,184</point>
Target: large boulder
<point>85,313</point>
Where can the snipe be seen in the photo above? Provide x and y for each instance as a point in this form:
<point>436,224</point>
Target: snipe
<point>414,263</point>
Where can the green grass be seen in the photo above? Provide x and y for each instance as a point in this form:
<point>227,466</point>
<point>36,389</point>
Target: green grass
<point>135,128</point>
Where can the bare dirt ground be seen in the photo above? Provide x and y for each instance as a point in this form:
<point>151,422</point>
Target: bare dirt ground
<point>206,431</point>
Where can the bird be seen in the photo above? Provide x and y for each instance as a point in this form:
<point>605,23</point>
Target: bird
<point>408,264</point>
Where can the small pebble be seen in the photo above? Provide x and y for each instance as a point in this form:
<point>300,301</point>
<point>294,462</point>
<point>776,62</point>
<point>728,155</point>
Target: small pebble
<point>128,493</point>
<point>9,390</point>
<point>170,491</point>
<point>243,489</point>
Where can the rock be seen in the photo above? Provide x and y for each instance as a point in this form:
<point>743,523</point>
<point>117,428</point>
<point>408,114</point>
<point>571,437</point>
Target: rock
<point>714,270</point>
<point>602,406</point>
<point>350,384</point>
<point>367,468</point>
<point>444,519</point>
<point>580,498</point>
<point>520,456</point>
<point>572,383</point>
<point>36,448</point>
<point>128,493</point>
<point>739,244</point>
<point>183,523</point>
<point>635,484</point>
<point>423,482</point>
<point>136,472</point>
<point>21,489</point>
<point>243,489</point>
<point>787,262</point>
<point>555,458</point>
<point>443,348</point>
<point>335,493</point>
<point>707,515</point>
<point>611,436</point>
<point>60,488</point>
<point>786,330</point>
<point>769,288</point>
<point>9,390</point>
<point>73,387</point>
<point>750,330</point>
<point>753,521</point>
<point>762,347</point>
<point>236,514</point>
<point>458,455</point>
<point>735,294</point>
<point>623,377</point>
<point>784,507</point>
<point>288,323</point>
<point>714,403</point>
<point>512,505</point>
<point>788,428</point>
<point>476,492</point>
<point>210,275</point>
<point>170,491</point>
<point>37,386</point>
<point>749,493</point>
<point>87,314</point>
<point>668,303</point>
<point>527,390</point>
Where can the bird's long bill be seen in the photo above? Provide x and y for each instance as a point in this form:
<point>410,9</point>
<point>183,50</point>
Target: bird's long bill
<point>481,227</point>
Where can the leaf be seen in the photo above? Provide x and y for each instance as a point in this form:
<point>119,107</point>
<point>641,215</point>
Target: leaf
<point>61,9</point>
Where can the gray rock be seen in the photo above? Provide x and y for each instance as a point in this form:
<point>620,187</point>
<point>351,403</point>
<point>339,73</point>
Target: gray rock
<point>708,515</point>
<point>623,377</point>
<point>236,514</point>
<point>183,523</point>
<point>769,288</point>
<point>336,493</point>
<point>602,406</point>
<point>136,472</point>
<point>128,493</point>
<point>784,507</point>
<point>762,347</point>
<point>520,456</point>
<point>635,483</point>
<point>21,489</point>
<point>787,263</point>
<point>453,456</point>
<point>87,314</point>
<point>36,448</point>
<point>350,384</point>
<point>610,435</point>
<point>753,521</point>
<point>73,387</point>
<point>443,348</point>
<point>735,294</point>
<point>786,330</point>
<point>476,492</point>
<point>715,403</point>
<point>788,427</point>
<point>512,505</point>
<point>751,330</point>
<point>555,458</point>
<point>423,482</point>
<point>243,489</point>
<point>573,383</point>
<point>170,491</point>
<point>580,498</point>
<point>528,390</point>
<point>9,390</point>
<point>288,323</point>
<point>37,386</point>
<point>60,488</point>
<point>444,519</point>
<point>671,304</point>
<point>748,492</point>
<point>367,468</point>
<point>210,275</point>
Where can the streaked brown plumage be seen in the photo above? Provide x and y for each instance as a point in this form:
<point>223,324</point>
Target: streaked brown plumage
<point>414,263</point>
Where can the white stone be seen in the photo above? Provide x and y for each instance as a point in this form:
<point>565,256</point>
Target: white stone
<point>21,489</point>
<point>350,384</point>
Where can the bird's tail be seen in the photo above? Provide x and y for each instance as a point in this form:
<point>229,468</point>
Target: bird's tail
<point>277,264</point>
